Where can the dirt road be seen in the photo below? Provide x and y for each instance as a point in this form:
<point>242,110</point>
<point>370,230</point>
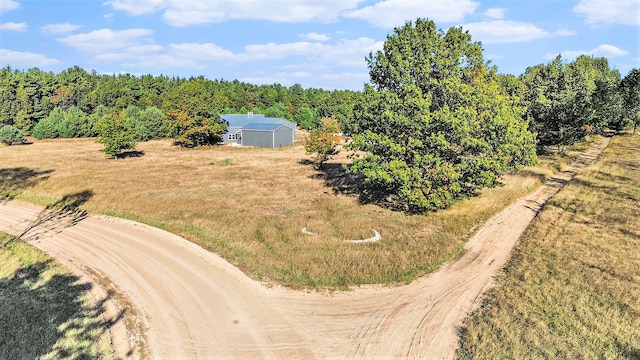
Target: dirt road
<point>169,299</point>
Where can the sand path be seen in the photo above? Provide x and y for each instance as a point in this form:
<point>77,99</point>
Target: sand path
<point>168,298</point>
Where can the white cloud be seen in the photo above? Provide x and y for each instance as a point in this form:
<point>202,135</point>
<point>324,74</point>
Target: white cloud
<point>56,29</point>
<point>392,13</point>
<point>604,50</point>
<point>130,54</point>
<point>192,12</point>
<point>153,56</point>
<point>351,52</point>
<point>8,5</point>
<point>25,59</point>
<point>564,32</point>
<point>137,7</point>
<point>204,52</point>
<point>328,65</point>
<point>344,80</point>
<point>11,26</point>
<point>607,50</point>
<point>301,74</point>
<point>495,13</point>
<point>105,40</point>
<point>504,31</point>
<point>625,12</point>
<point>315,37</point>
<point>344,53</point>
<point>325,80</point>
<point>276,78</point>
<point>280,51</point>
<point>200,14</point>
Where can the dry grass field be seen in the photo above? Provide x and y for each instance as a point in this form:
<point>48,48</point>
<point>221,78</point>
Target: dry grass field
<point>572,288</point>
<point>249,205</point>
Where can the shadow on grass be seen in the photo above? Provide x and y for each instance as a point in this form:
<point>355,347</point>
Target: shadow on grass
<point>341,181</point>
<point>15,180</point>
<point>44,314</point>
<point>56,217</point>
<point>129,154</point>
<point>531,173</point>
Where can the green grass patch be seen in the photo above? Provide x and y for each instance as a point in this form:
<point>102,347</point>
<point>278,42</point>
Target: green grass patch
<point>572,287</point>
<point>44,312</point>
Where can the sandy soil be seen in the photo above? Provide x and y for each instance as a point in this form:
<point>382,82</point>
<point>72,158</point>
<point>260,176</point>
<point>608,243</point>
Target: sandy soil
<point>167,298</point>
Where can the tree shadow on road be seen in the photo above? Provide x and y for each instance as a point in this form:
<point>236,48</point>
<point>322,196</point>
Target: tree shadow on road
<point>15,180</point>
<point>56,217</point>
<point>44,313</point>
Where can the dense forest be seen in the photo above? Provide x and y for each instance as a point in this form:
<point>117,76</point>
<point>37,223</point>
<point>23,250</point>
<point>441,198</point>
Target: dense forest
<point>70,103</point>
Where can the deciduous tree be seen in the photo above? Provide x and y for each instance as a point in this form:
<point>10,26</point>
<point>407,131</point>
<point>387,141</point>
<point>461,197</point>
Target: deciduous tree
<point>193,113</point>
<point>438,125</point>
<point>630,89</point>
<point>565,100</point>
<point>322,143</point>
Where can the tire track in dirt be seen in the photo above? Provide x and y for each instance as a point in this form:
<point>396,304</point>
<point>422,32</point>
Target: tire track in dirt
<point>173,299</point>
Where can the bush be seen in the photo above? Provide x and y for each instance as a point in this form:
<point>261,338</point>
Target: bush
<point>10,134</point>
<point>72,124</point>
<point>154,121</point>
<point>47,128</point>
<point>116,134</point>
<point>322,142</point>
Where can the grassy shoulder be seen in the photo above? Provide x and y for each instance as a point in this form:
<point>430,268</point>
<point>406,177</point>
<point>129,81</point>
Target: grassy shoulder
<point>249,205</point>
<point>45,312</point>
<point>572,287</point>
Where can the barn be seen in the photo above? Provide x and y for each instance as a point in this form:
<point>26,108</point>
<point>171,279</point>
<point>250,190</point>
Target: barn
<point>266,135</point>
<point>261,130</point>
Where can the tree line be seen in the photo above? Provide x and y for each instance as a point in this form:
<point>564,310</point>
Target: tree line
<point>70,103</point>
<point>436,123</point>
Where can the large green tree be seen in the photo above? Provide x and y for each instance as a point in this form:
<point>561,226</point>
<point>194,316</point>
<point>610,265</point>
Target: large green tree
<point>438,125</point>
<point>630,89</point>
<point>556,103</point>
<point>193,113</point>
<point>567,101</point>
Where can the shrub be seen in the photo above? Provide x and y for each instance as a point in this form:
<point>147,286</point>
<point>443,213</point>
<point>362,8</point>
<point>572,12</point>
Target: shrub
<point>152,120</point>
<point>72,123</point>
<point>116,134</point>
<point>47,128</point>
<point>10,134</point>
<point>322,142</point>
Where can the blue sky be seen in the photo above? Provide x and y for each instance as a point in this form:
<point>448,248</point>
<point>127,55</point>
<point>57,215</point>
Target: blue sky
<point>314,43</point>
